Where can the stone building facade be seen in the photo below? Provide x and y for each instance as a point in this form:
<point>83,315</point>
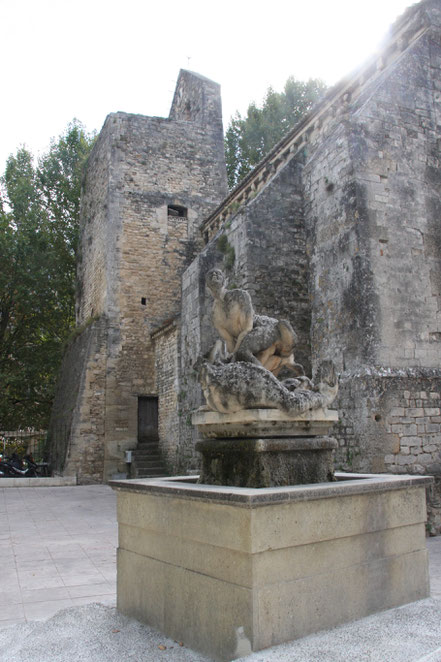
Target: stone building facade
<point>337,229</point>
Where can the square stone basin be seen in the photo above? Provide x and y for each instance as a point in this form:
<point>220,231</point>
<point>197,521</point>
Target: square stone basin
<point>230,570</point>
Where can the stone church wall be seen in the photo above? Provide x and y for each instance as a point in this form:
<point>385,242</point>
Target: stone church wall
<point>372,219</point>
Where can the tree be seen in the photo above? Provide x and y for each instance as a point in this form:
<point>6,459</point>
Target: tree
<point>248,139</point>
<point>39,217</point>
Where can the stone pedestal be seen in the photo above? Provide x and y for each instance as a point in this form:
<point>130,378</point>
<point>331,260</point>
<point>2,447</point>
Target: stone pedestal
<point>232,570</point>
<point>267,462</point>
<point>265,447</point>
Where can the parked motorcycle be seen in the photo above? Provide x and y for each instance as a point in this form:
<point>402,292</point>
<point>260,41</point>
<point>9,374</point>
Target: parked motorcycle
<point>15,467</point>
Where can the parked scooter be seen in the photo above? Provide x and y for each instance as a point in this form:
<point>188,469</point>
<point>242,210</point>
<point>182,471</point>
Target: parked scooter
<point>14,467</point>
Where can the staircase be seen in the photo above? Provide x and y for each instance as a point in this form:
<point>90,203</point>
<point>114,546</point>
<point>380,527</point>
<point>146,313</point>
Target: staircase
<point>147,461</point>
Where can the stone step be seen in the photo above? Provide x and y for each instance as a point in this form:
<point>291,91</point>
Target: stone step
<point>146,456</point>
<point>144,449</point>
<point>148,473</point>
<point>147,460</point>
<point>143,442</point>
<point>147,449</point>
<point>151,467</point>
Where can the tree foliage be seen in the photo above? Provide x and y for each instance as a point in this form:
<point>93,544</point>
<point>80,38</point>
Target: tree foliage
<point>39,221</point>
<point>248,139</point>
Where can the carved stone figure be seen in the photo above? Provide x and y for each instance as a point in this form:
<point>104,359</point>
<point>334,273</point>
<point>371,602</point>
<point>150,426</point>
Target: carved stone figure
<point>241,385</point>
<point>260,339</point>
<point>232,313</point>
<point>270,343</point>
<point>259,347</point>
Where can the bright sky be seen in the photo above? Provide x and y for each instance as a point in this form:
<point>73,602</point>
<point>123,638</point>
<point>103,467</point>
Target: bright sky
<point>86,58</point>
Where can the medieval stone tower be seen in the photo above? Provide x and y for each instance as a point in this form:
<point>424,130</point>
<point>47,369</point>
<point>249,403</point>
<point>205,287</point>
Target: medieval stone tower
<point>150,183</point>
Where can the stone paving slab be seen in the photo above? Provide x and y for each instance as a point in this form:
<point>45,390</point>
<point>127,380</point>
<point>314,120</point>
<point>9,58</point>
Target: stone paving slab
<point>57,550</point>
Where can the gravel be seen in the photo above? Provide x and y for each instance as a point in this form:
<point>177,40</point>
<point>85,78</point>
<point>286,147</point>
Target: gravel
<point>96,633</point>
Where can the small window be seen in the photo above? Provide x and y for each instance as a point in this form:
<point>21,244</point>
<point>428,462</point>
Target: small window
<point>177,210</point>
<point>143,301</point>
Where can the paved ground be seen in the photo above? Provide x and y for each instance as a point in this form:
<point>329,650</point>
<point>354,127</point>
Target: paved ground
<point>57,551</point>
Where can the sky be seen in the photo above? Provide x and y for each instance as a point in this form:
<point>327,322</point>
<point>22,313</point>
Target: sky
<point>65,59</point>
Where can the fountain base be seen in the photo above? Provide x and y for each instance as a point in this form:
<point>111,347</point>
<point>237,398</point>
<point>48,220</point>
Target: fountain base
<point>230,570</point>
<point>265,447</point>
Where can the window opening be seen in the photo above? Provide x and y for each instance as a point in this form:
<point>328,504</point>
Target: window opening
<point>143,301</point>
<point>177,210</point>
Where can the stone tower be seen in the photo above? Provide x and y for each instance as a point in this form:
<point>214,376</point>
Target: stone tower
<point>149,185</point>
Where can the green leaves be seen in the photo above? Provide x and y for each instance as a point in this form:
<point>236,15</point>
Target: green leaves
<point>249,139</point>
<point>39,225</point>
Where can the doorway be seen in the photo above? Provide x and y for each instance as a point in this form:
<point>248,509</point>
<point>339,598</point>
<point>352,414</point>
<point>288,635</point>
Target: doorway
<point>147,418</point>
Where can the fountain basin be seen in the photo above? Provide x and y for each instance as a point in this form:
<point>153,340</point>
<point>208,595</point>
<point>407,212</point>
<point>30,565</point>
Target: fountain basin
<point>230,570</point>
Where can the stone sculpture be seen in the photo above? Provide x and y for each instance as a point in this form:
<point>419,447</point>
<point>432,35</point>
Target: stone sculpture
<point>265,430</point>
<point>259,339</point>
<point>259,347</point>
<point>270,343</point>
<point>230,387</point>
<point>232,313</point>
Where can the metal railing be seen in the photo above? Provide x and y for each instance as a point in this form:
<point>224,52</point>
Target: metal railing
<point>24,442</point>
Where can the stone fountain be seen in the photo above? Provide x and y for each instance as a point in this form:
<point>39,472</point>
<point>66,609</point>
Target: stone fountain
<point>270,544</point>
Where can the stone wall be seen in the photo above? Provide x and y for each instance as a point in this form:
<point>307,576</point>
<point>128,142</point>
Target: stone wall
<point>371,213</point>
<point>96,243</point>
<point>166,343</point>
<point>197,99</point>
<point>76,430</point>
<point>395,146</point>
<point>270,261</point>
<point>390,421</point>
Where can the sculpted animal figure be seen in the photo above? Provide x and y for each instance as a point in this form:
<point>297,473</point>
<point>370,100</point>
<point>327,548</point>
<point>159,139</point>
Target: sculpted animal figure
<point>232,313</point>
<point>249,337</point>
<point>270,343</point>
<point>234,386</point>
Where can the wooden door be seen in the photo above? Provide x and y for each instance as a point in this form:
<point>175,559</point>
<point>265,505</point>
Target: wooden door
<point>147,418</point>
